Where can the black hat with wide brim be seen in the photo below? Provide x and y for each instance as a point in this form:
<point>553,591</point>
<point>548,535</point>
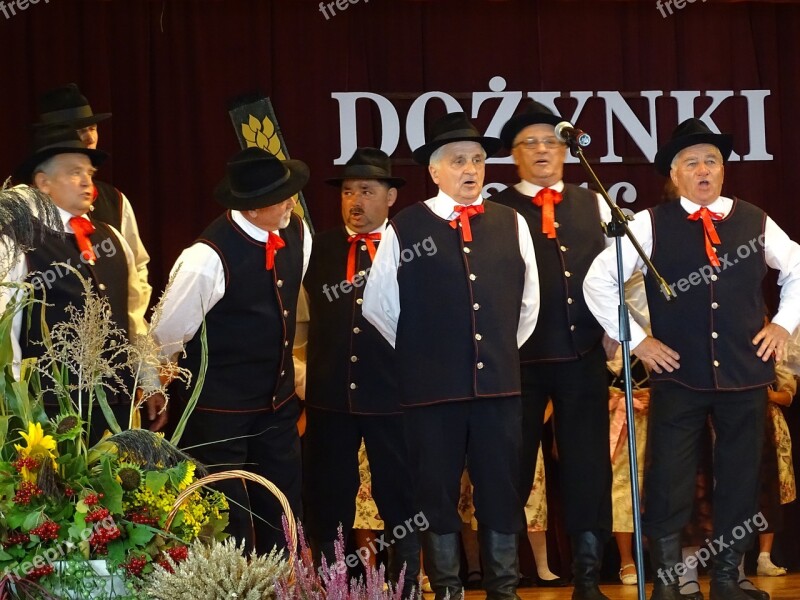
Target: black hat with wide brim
<point>368,163</point>
<point>256,179</point>
<point>690,133</point>
<point>451,128</point>
<point>66,105</point>
<point>51,141</point>
<point>533,114</point>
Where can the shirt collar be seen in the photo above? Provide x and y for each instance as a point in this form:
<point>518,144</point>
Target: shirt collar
<point>66,216</point>
<point>380,229</point>
<point>444,206</point>
<point>251,230</point>
<point>721,205</point>
<point>526,188</point>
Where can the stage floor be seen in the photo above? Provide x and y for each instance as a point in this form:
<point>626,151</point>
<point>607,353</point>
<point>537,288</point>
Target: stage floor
<point>780,588</point>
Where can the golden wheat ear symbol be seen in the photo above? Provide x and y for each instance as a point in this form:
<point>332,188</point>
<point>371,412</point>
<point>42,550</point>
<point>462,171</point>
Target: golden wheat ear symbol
<point>262,134</point>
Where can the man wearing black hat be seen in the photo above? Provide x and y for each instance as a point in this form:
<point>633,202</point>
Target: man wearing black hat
<point>456,321</point>
<point>66,105</point>
<point>63,168</point>
<point>351,388</point>
<point>563,360</point>
<point>243,276</point>
<point>709,354</point>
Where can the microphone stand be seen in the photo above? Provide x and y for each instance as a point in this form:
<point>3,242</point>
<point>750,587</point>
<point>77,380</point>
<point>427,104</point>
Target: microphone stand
<point>616,228</point>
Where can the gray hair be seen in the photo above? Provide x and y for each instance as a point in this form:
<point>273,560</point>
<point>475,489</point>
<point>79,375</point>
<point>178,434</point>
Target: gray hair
<point>438,154</point>
<point>674,162</point>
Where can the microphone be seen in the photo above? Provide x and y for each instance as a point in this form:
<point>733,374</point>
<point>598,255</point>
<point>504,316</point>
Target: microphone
<point>567,133</point>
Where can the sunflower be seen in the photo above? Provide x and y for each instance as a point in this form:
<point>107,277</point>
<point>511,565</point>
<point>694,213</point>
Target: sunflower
<point>130,476</point>
<point>38,446</point>
<point>67,427</point>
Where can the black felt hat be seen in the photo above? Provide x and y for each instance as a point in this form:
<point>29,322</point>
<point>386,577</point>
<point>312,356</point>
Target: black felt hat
<point>53,140</point>
<point>66,105</point>
<point>690,133</point>
<point>368,163</point>
<point>533,113</point>
<point>454,127</point>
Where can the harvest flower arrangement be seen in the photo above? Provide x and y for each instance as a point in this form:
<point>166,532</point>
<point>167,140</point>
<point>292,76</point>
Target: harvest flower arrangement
<point>61,499</point>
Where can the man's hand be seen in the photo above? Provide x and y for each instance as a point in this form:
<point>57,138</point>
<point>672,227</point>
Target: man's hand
<point>657,355</point>
<point>773,339</point>
<point>157,411</point>
<point>610,345</point>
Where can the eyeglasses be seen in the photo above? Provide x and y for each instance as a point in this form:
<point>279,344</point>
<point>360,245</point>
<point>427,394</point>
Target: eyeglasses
<point>532,143</point>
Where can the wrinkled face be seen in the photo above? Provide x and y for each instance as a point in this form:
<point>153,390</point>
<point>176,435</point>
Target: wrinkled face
<point>698,173</point>
<point>89,136</point>
<point>69,182</point>
<point>365,203</point>
<point>539,155</point>
<point>272,217</point>
<point>460,170</point>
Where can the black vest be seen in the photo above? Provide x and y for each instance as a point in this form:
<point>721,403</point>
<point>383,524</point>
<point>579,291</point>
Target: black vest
<point>459,308</point>
<point>108,205</point>
<point>351,367</point>
<point>60,287</point>
<point>250,331</point>
<point>566,328</point>
<point>717,311</point>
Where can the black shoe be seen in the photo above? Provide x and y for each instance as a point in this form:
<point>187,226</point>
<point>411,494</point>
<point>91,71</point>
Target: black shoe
<point>557,582</point>
<point>587,556</point>
<point>698,595</point>
<point>725,578</point>
<point>665,554</point>
<point>500,563</point>
<point>474,580</point>
<point>755,593</point>
<point>442,556</point>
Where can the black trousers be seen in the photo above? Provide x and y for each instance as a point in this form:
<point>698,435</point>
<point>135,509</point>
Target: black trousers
<point>330,470</point>
<point>677,419</point>
<point>484,434</point>
<point>272,450</point>
<point>579,391</point>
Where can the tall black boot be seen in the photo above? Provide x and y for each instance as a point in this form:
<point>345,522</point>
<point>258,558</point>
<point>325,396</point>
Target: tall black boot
<point>665,554</point>
<point>404,552</point>
<point>587,557</point>
<point>725,578</point>
<point>500,564</point>
<point>442,556</point>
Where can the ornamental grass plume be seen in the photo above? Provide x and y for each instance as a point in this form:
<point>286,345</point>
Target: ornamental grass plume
<point>218,572</point>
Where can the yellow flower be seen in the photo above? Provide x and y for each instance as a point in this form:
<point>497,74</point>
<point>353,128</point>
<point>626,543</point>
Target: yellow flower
<point>37,445</point>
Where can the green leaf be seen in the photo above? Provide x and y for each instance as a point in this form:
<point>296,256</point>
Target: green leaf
<point>32,520</point>
<point>100,396</point>
<point>111,488</point>
<point>5,555</point>
<point>116,551</point>
<point>155,481</point>
<point>139,535</point>
<point>198,387</point>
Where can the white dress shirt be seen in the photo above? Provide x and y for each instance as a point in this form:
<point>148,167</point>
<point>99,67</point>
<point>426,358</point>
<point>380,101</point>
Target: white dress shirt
<point>382,293</point>
<point>198,283</point>
<point>137,298</point>
<point>130,231</point>
<point>601,285</point>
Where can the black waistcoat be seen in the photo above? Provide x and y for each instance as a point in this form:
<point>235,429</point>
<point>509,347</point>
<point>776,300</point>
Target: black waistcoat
<point>459,308</point>
<point>351,367</point>
<point>250,331</point>
<point>566,328</point>
<point>717,311</point>
<point>108,205</point>
<point>60,287</point>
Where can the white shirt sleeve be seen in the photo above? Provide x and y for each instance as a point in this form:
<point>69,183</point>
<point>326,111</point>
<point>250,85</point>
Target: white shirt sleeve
<point>138,298</point>
<point>130,231</point>
<point>16,275</point>
<point>198,284</point>
<point>783,254</point>
<point>605,217</point>
<point>529,314</point>
<point>307,242</point>
<point>382,293</point>
<point>601,285</point>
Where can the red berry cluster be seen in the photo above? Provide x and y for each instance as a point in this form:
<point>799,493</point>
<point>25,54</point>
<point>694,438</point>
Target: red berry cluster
<point>178,553</point>
<point>100,538</point>
<point>27,462</point>
<point>135,565</point>
<point>47,531</point>
<point>40,572</point>
<point>142,518</point>
<point>27,490</point>
<point>92,499</point>
<point>68,491</point>
<point>97,514</point>
<point>16,538</point>
<point>166,566</point>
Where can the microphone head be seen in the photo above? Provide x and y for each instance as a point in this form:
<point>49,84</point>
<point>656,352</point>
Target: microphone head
<point>567,133</point>
<point>561,134</point>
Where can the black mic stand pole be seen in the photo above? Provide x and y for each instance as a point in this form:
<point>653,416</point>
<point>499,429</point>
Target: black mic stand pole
<point>616,228</point>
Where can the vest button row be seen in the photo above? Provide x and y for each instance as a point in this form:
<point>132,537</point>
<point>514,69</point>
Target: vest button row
<point>478,337</point>
<point>567,274</point>
<point>356,330</point>
<point>714,278</point>
<point>570,301</point>
<point>362,273</point>
<point>476,306</point>
<point>466,250</point>
<point>714,305</point>
<point>102,287</point>
<point>279,283</point>
<point>354,358</point>
<point>472,277</point>
<point>353,386</point>
<point>359,301</point>
<point>286,344</point>
<point>572,327</point>
<point>479,365</point>
<point>285,313</point>
<point>716,363</point>
<point>563,248</point>
<point>363,247</point>
<point>714,334</point>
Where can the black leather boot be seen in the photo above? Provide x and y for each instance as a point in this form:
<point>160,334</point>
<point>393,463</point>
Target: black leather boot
<point>665,553</point>
<point>500,564</point>
<point>725,578</point>
<point>587,557</point>
<point>404,552</point>
<point>442,556</point>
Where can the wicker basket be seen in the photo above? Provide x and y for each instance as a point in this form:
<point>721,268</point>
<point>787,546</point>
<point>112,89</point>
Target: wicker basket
<point>238,474</point>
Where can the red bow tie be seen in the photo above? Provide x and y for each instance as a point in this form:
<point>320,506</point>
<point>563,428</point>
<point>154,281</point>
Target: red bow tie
<point>547,199</point>
<point>369,239</point>
<point>83,228</point>
<point>710,231</point>
<point>465,213</point>
<point>274,243</point>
